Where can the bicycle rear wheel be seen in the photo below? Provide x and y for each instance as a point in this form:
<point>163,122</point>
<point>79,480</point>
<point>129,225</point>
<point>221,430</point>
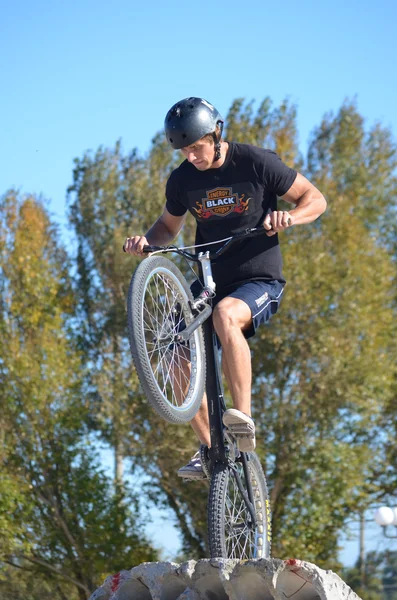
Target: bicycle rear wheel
<point>172,374</point>
<point>231,532</point>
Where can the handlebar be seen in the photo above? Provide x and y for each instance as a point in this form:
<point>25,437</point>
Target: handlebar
<point>250,232</point>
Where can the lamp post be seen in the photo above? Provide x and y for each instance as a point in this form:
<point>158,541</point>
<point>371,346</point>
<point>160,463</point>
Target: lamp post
<point>386,517</point>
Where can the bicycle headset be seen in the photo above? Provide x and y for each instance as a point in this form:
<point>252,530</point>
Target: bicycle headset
<point>189,120</point>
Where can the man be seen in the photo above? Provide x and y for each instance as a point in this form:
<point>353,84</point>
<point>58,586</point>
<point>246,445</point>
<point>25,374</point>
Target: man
<point>229,187</point>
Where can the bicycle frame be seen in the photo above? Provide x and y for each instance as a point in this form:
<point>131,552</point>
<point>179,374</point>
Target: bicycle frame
<point>215,397</point>
<point>202,310</point>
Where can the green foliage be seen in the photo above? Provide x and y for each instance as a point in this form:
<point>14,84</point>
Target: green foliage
<point>269,128</point>
<point>376,579</point>
<point>13,501</point>
<point>22,583</point>
<point>111,197</point>
<point>61,519</point>
<point>324,367</point>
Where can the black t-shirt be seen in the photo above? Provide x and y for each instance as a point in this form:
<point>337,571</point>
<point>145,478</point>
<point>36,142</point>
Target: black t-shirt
<point>229,199</point>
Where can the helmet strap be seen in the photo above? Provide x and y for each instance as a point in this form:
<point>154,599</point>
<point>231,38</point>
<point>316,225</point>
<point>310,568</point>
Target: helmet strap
<point>217,141</point>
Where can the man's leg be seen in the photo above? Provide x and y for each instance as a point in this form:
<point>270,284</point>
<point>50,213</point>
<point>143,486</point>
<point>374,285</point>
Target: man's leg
<point>200,423</point>
<point>231,317</point>
<point>180,373</point>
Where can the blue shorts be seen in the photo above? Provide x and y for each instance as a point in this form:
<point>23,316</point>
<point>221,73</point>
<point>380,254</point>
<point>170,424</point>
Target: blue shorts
<point>262,297</point>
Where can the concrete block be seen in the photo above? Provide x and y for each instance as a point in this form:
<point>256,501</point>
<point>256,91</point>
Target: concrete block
<point>224,579</point>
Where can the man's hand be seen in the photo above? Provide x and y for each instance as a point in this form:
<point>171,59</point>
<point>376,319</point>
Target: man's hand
<point>277,221</point>
<point>134,245</point>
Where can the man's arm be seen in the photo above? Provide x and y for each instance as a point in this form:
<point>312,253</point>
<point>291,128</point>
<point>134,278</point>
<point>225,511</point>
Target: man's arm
<point>309,205</point>
<point>161,233</point>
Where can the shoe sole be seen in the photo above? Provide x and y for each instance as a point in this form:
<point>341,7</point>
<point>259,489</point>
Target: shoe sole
<point>246,444</point>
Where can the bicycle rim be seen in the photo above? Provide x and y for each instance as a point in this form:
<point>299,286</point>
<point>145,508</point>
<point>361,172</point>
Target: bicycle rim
<point>171,373</point>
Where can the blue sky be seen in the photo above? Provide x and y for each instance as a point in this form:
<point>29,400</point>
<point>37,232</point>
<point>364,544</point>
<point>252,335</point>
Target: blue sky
<point>79,74</point>
<point>76,75</point>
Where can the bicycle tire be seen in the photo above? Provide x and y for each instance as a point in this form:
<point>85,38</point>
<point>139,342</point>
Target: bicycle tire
<point>158,303</point>
<point>229,533</point>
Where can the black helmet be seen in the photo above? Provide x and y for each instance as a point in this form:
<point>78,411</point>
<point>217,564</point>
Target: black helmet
<point>189,120</point>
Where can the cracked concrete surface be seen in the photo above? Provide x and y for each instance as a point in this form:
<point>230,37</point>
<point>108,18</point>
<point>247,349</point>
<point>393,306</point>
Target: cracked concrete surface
<point>221,579</point>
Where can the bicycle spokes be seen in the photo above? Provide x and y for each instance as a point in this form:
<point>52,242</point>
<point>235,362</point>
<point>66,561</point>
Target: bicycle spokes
<point>164,315</point>
<point>240,533</point>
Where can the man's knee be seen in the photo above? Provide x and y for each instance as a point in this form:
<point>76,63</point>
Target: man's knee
<point>222,317</point>
<point>231,313</point>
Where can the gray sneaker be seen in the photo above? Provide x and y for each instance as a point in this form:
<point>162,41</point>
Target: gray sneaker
<point>194,469</point>
<point>241,427</point>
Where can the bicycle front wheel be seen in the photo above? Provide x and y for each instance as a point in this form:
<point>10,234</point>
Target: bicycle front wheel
<point>172,374</point>
<point>232,532</point>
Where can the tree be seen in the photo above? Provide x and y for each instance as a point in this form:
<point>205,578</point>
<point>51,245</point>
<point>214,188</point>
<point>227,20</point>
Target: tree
<point>63,522</point>
<point>320,407</point>
<point>323,400</point>
<point>380,576</point>
<point>111,197</point>
<point>318,402</point>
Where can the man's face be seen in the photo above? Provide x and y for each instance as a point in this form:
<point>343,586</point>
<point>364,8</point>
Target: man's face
<point>200,154</point>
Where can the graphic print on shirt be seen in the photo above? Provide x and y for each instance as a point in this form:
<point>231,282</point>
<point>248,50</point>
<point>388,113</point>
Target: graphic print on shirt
<point>221,202</point>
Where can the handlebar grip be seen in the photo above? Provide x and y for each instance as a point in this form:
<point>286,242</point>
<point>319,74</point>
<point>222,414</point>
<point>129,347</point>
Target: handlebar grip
<point>147,248</point>
<point>152,248</point>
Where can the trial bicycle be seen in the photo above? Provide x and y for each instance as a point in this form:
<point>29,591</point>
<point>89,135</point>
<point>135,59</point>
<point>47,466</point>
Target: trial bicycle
<point>175,352</point>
